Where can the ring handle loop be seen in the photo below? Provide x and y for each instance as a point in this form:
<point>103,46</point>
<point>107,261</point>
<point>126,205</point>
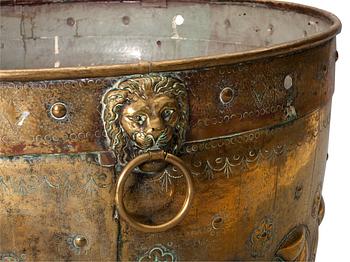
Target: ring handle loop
<point>127,170</point>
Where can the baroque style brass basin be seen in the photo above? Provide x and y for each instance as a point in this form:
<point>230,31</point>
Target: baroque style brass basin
<point>163,130</point>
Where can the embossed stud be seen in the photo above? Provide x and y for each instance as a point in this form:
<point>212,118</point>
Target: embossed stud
<point>288,82</point>
<point>227,95</point>
<point>58,110</point>
<point>79,241</point>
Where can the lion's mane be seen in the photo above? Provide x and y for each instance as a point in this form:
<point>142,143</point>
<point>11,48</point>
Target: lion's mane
<point>123,92</point>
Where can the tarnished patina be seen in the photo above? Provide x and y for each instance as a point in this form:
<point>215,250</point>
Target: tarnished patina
<point>203,139</point>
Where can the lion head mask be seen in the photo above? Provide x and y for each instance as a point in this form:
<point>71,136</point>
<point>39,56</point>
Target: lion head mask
<point>143,114</point>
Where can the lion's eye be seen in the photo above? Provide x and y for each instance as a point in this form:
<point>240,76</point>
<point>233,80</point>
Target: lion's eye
<point>167,113</point>
<point>139,119</point>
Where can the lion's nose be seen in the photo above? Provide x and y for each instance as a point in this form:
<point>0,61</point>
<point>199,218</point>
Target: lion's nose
<point>155,128</point>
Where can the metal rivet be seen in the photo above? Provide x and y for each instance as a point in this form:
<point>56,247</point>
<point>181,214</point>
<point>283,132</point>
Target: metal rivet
<point>126,20</point>
<point>288,82</point>
<point>58,110</point>
<point>227,23</point>
<point>70,21</point>
<point>226,95</point>
<point>324,68</point>
<point>79,241</point>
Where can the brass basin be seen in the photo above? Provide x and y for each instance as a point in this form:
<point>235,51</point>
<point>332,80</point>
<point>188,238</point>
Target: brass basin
<point>163,130</point>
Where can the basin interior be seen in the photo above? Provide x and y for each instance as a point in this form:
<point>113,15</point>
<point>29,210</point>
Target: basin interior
<point>85,34</point>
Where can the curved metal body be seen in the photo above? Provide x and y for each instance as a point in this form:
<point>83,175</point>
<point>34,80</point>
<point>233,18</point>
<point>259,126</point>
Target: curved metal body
<point>241,142</point>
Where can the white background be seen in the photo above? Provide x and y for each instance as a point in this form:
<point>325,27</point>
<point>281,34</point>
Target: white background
<point>334,237</point>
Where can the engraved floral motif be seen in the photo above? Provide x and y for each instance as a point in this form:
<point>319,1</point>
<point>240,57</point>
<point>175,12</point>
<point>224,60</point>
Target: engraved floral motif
<point>88,184</point>
<point>166,179</point>
<point>159,253</point>
<point>261,238</point>
<point>230,165</point>
<point>250,136</point>
<point>247,160</point>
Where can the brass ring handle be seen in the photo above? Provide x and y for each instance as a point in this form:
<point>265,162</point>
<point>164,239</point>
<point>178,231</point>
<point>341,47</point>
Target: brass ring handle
<point>151,156</point>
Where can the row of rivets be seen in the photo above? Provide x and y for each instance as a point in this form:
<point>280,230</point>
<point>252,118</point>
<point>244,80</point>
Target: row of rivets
<point>59,110</point>
<point>227,94</point>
